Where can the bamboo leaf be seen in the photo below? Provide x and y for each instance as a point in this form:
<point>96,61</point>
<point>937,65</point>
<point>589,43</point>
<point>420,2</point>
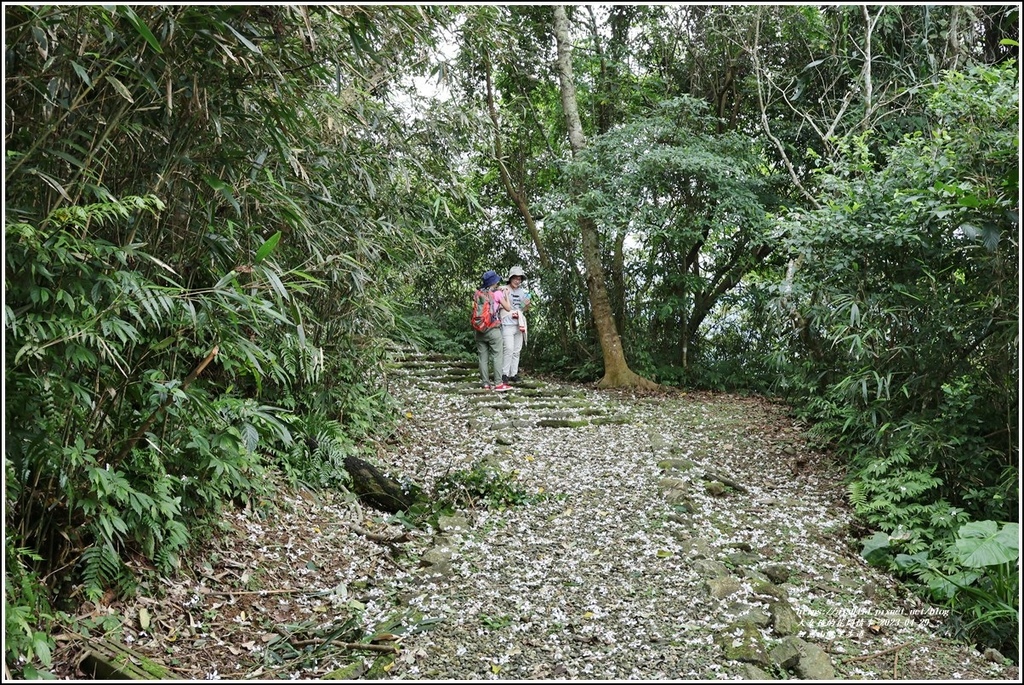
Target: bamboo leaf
<point>267,247</point>
<point>225,279</point>
<point>163,344</point>
<point>160,263</point>
<point>82,73</point>
<point>70,159</point>
<point>244,41</point>
<point>300,329</point>
<point>52,182</point>
<point>42,43</point>
<point>120,88</point>
<point>990,237</point>
<point>225,191</point>
<point>276,284</point>
<point>140,26</point>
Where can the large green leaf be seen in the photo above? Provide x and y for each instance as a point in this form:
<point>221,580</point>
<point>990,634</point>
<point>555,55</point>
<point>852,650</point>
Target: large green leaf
<point>875,548</point>
<point>983,543</point>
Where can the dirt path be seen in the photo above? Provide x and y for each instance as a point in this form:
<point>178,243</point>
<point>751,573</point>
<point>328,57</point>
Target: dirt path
<point>682,537</point>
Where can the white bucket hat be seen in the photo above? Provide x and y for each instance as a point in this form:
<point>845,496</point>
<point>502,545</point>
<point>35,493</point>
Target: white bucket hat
<point>516,271</point>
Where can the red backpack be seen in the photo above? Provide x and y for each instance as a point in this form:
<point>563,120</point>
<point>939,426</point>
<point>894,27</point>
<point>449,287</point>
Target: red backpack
<point>483,317</point>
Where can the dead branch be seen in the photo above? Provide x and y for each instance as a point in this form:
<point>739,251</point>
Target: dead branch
<point>865,657</point>
<point>712,475</point>
<point>282,591</point>
<point>347,645</point>
<point>379,537</point>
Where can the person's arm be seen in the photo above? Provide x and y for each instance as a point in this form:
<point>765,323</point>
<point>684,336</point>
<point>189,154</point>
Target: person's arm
<point>501,299</point>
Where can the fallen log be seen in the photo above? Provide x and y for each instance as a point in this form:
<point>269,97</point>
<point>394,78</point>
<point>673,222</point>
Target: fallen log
<point>376,489</point>
<point>104,660</point>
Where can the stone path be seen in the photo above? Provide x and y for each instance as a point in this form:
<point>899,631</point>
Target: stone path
<point>665,537</point>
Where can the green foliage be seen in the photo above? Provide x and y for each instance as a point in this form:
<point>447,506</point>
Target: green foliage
<point>496,622</point>
<point>446,332</point>
<point>216,224</point>
<point>904,294</point>
<point>565,364</point>
<point>481,485</point>
<point>86,340</point>
<point>201,275</point>
<point>985,543</point>
<point>693,203</point>
<point>484,484</point>
<point>905,303</point>
<point>974,572</point>
<point>102,568</point>
<point>988,600</point>
<point>317,455</point>
<point>28,647</point>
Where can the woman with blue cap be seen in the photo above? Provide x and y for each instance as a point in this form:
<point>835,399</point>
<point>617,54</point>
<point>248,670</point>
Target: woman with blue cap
<point>489,344</point>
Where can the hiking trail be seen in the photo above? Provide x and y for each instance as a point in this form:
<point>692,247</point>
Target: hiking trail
<point>676,535</point>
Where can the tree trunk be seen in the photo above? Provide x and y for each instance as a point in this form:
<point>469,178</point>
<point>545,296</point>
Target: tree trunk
<point>616,372</point>
<point>619,281</point>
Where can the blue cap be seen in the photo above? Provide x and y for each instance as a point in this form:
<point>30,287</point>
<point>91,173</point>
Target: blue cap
<point>490,278</point>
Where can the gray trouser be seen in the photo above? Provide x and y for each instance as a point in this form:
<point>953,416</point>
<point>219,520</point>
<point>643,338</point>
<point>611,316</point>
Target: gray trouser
<point>490,342</point>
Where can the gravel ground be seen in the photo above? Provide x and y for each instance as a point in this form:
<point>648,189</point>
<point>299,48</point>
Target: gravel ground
<point>625,563</point>
<point>600,578</point>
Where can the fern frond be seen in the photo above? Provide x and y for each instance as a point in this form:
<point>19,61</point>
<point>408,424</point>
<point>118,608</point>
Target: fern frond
<point>858,494</point>
<point>102,568</point>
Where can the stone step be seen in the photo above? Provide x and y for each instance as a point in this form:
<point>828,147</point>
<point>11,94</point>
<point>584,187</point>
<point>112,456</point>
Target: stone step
<point>534,403</point>
<point>423,370</point>
<point>455,377</point>
<point>409,356</point>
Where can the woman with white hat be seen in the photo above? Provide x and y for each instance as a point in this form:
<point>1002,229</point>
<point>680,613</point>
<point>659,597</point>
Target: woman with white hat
<point>513,323</point>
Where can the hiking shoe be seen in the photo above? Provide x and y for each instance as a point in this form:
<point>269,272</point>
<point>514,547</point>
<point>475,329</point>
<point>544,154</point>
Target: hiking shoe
<point>514,379</point>
<point>502,387</point>
<point>504,378</point>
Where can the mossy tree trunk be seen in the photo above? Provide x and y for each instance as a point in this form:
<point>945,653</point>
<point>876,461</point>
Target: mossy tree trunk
<point>616,371</point>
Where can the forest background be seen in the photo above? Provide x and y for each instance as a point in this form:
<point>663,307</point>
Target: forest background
<point>220,219</point>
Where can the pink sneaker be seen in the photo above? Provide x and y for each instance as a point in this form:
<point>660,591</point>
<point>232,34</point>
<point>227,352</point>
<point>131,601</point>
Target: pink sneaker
<point>502,387</point>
